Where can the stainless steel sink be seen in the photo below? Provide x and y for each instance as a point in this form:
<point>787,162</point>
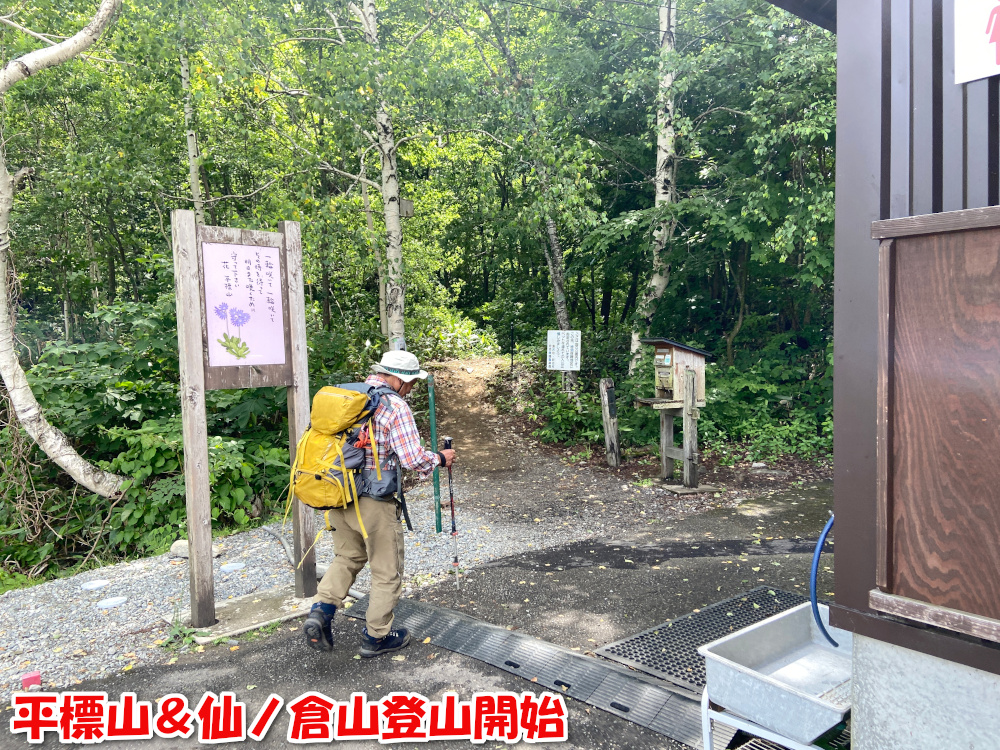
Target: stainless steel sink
<point>782,674</point>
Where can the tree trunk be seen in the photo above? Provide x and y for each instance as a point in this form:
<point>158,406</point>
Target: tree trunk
<point>112,276</point>
<point>740,274</point>
<point>557,272</point>
<point>35,62</point>
<point>607,289</point>
<point>592,304</point>
<point>633,293</point>
<point>383,320</point>
<point>67,328</point>
<point>95,277</point>
<point>192,141</point>
<point>666,172</point>
<point>395,289</point>
<point>25,406</point>
<point>206,184</point>
<point>326,291</point>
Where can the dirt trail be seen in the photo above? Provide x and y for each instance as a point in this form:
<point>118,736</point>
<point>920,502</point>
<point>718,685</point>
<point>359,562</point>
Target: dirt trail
<point>502,474</point>
<point>483,441</point>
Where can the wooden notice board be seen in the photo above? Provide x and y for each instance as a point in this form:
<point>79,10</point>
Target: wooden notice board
<point>243,277</point>
<point>240,324</point>
<point>939,425</point>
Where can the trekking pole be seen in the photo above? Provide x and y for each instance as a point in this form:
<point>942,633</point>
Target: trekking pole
<point>454,530</point>
<point>434,447</point>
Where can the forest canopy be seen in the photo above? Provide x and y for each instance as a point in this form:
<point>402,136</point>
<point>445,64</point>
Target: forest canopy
<point>621,167</point>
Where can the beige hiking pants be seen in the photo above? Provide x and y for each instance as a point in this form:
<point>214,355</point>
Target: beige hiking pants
<point>383,551</point>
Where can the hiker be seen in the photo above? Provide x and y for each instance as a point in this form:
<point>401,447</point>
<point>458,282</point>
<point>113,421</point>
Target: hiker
<point>397,440</point>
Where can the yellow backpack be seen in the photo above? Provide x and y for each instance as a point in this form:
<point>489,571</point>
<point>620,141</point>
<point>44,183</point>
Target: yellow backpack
<point>331,453</point>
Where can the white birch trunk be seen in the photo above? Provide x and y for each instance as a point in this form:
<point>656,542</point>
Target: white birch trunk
<point>192,141</point>
<point>395,290</point>
<point>47,57</point>
<point>382,317</point>
<point>666,173</point>
<point>557,272</point>
<point>25,406</point>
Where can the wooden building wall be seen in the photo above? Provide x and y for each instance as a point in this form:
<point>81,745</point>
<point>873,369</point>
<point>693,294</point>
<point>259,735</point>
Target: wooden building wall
<point>909,142</point>
<point>940,141</point>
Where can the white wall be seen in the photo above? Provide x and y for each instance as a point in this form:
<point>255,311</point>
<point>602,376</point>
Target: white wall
<point>905,700</point>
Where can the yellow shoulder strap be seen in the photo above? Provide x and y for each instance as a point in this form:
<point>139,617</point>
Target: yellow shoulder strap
<point>371,435</point>
<point>353,492</point>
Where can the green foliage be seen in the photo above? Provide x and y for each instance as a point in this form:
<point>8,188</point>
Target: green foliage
<point>508,118</point>
<point>153,512</point>
<point>180,635</point>
<point>566,419</point>
<point>118,399</point>
<point>441,333</point>
<point>14,580</point>
<point>763,412</point>
<point>749,417</point>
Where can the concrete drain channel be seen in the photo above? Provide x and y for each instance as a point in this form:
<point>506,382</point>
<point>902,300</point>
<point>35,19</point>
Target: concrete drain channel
<point>671,710</point>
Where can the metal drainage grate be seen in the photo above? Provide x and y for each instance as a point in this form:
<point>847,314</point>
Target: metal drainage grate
<point>670,651</point>
<point>593,681</point>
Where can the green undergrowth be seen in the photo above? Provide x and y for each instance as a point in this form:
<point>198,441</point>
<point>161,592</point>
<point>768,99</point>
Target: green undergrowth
<point>116,399</point>
<point>760,411</point>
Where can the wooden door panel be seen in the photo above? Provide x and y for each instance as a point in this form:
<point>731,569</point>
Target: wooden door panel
<point>945,369</point>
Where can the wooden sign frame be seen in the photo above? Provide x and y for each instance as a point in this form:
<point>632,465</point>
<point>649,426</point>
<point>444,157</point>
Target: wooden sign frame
<point>246,376</point>
<point>928,476</point>
<point>197,376</point>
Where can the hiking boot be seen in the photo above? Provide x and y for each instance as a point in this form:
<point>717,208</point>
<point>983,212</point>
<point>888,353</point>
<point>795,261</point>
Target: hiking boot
<point>397,639</point>
<point>318,626</point>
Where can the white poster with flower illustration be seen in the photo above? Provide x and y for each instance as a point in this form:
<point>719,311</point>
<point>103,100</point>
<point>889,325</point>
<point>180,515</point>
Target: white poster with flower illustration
<point>243,305</point>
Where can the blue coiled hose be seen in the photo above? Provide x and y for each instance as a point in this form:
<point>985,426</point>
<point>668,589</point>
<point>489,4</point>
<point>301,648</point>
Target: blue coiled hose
<point>812,581</point>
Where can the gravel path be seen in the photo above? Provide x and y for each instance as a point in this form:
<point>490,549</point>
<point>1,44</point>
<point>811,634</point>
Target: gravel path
<point>509,502</point>
<point>59,629</point>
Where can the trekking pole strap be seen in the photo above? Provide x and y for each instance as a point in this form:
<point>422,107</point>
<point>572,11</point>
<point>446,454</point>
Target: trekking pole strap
<point>402,497</point>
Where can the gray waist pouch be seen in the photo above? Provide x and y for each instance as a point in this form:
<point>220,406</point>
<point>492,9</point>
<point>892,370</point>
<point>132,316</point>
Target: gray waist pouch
<point>380,489</point>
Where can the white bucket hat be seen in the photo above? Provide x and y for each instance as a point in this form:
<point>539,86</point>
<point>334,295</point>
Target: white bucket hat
<point>401,364</point>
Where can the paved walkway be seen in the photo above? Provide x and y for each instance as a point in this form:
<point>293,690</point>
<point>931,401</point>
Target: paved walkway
<point>580,597</point>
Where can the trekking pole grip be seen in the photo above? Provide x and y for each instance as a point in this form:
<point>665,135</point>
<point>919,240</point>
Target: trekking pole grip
<point>447,443</point>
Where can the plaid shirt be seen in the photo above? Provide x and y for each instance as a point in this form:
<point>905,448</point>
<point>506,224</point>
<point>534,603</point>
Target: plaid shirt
<point>396,430</point>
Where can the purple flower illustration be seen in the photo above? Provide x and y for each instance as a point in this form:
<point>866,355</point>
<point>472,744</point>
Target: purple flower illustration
<point>233,344</point>
<point>238,317</point>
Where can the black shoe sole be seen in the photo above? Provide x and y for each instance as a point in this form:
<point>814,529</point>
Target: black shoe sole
<point>315,638</point>
<point>365,654</point>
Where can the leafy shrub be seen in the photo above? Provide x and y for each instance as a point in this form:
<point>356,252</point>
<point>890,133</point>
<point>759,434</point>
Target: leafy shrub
<point>13,580</point>
<point>567,419</point>
<point>436,333</point>
<point>777,407</point>
<point>154,512</point>
<point>118,401</point>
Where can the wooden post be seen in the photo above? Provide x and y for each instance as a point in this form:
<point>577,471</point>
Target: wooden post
<point>690,430</point>
<point>666,443</point>
<point>195,427</point>
<point>609,414</point>
<point>299,405</point>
